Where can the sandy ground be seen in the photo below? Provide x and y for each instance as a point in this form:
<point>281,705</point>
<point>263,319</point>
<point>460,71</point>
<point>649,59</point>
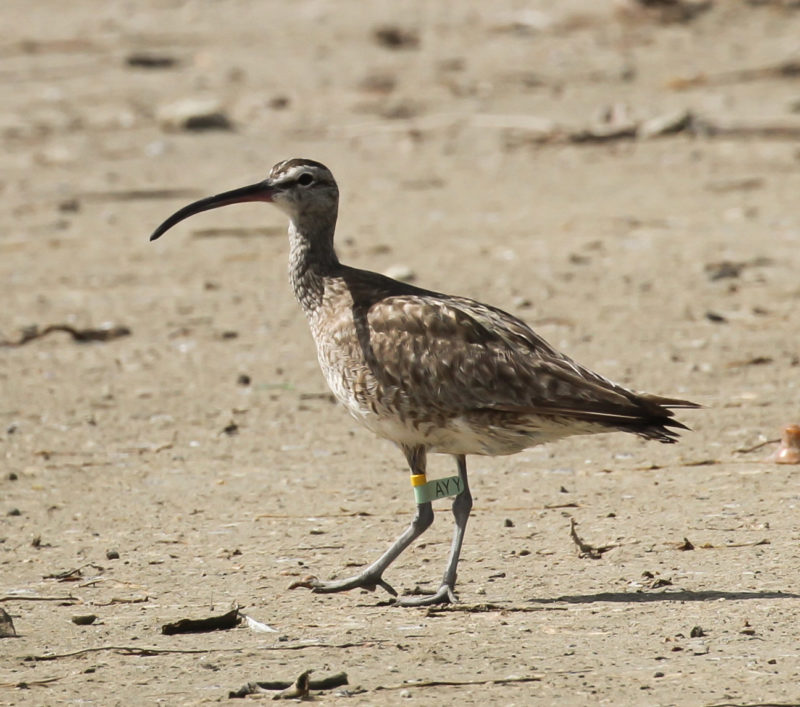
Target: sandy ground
<point>449,133</point>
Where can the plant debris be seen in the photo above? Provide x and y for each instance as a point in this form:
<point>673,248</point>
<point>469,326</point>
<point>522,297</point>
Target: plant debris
<point>290,690</point>
<point>433,611</point>
<point>106,332</point>
<point>459,683</point>
<point>257,626</point>
<point>69,599</point>
<point>586,550</point>
<point>213,623</point>
<point>754,447</point>
<point>73,575</point>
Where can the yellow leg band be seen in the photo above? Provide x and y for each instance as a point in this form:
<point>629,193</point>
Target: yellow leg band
<point>418,480</point>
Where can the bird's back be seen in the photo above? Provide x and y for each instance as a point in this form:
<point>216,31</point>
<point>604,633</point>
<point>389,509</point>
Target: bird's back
<point>458,376</point>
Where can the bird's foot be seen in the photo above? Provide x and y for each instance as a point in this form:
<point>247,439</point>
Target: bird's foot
<point>364,580</point>
<point>444,595</point>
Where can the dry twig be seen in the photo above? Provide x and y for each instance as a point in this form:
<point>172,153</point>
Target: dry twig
<point>586,550</point>
<point>459,683</point>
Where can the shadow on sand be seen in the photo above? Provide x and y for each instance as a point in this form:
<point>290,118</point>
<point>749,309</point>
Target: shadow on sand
<point>676,595</point>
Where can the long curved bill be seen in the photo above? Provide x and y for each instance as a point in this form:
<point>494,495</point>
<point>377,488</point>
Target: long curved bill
<point>262,191</point>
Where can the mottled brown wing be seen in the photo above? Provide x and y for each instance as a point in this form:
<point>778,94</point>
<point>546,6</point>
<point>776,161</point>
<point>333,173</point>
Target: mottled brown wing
<point>456,355</point>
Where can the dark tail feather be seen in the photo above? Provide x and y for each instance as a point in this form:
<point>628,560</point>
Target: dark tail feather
<point>658,418</point>
<point>648,416</point>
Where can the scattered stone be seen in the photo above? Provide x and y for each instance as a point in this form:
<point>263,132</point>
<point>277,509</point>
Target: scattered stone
<point>14,512</point>
<point>194,114</point>
<point>7,629</point>
<point>508,523</point>
<point>665,124</point>
<point>69,206</point>
<point>112,555</point>
<point>401,272</point>
<point>84,619</point>
<point>279,102</point>
<point>697,632</point>
<point>723,269</point>
<point>394,37</point>
<point>698,647</point>
<point>146,60</point>
<point>716,317</point>
<point>243,379</point>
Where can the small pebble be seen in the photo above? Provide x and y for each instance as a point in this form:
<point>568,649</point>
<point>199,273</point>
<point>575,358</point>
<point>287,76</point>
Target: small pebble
<point>508,523</point>
<point>112,555</point>
<point>394,37</point>
<point>145,60</point>
<point>84,619</point>
<point>194,115</point>
<point>401,272</point>
<point>665,124</point>
<point>15,512</point>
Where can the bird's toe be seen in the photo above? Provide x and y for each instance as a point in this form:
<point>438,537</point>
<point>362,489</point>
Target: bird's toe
<point>444,595</point>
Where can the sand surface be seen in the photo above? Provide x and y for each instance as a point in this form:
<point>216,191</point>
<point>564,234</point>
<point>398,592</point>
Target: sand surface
<point>485,149</point>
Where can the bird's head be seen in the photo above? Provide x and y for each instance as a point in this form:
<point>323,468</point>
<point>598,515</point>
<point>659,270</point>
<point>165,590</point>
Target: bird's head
<point>303,189</point>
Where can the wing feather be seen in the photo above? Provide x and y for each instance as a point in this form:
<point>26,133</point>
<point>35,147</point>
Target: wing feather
<point>456,356</point>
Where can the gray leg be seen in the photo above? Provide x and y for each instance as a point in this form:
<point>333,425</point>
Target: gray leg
<point>462,505</point>
<point>371,576</point>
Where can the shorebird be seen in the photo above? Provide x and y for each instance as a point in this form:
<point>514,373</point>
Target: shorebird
<point>428,371</point>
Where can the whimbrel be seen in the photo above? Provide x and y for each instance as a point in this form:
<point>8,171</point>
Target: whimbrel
<point>428,371</point>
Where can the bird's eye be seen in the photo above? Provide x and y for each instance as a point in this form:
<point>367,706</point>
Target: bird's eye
<point>305,179</point>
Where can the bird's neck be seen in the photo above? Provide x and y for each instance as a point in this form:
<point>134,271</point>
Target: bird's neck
<point>312,259</point>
